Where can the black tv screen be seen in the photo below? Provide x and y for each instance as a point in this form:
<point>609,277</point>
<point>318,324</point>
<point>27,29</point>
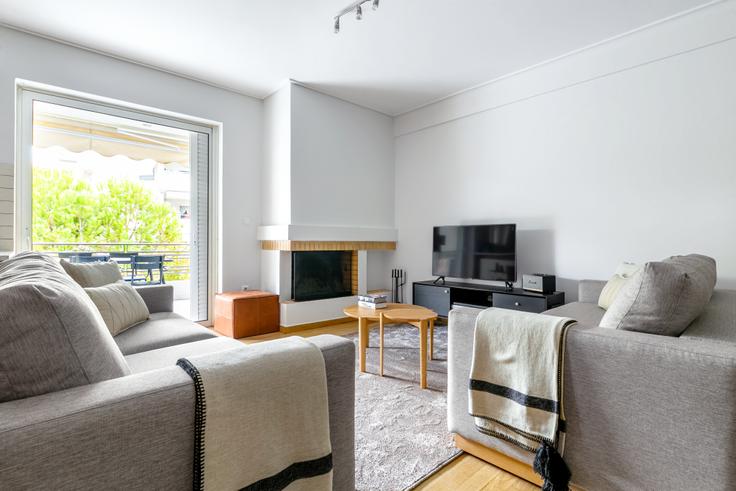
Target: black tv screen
<point>481,252</point>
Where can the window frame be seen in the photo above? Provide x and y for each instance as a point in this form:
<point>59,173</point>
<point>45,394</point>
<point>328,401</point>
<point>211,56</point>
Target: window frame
<point>27,92</point>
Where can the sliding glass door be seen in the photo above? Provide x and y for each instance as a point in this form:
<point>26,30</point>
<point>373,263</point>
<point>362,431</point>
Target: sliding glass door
<point>97,182</point>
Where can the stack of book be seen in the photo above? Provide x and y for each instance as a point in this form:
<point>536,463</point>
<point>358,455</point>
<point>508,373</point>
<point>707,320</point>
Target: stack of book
<point>373,300</point>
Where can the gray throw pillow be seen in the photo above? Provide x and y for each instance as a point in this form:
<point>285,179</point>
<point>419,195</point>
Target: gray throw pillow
<point>120,305</point>
<point>51,335</point>
<point>91,275</point>
<point>664,297</point>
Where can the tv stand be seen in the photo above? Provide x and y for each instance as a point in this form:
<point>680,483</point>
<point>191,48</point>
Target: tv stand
<point>441,297</point>
<point>438,280</point>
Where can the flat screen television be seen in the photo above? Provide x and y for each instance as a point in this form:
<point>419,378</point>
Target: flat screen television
<point>481,252</point>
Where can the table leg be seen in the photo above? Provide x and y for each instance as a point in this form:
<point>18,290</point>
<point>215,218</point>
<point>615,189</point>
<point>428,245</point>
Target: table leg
<point>423,354</point>
<point>431,339</point>
<point>380,345</point>
<point>363,341</point>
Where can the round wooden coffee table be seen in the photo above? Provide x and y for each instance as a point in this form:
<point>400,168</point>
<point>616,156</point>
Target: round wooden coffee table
<point>420,317</point>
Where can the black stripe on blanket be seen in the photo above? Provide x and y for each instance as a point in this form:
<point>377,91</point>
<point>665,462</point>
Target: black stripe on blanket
<point>516,396</point>
<point>299,470</point>
<point>200,413</point>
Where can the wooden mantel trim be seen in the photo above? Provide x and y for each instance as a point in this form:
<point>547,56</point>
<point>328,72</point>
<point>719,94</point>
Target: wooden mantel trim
<point>320,245</point>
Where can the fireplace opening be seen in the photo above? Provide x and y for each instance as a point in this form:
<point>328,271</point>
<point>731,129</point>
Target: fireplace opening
<point>317,275</point>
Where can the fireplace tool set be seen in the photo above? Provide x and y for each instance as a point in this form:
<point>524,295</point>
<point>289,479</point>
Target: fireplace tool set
<point>398,280</point>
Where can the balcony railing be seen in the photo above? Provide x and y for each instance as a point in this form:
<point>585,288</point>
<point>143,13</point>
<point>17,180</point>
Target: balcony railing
<point>177,255</point>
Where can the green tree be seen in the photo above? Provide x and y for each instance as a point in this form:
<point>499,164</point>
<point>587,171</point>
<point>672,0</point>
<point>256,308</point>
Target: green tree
<point>66,209</point>
<point>63,208</point>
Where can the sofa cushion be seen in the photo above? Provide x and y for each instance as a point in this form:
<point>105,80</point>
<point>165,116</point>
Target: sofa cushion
<point>91,275</point>
<point>587,314</point>
<point>664,297</point>
<point>159,331</point>
<point>51,335</point>
<point>717,322</point>
<point>120,305</point>
<point>166,357</point>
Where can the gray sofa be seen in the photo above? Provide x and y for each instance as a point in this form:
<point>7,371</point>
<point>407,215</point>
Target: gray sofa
<point>643,411</point>
<point>136,432</point>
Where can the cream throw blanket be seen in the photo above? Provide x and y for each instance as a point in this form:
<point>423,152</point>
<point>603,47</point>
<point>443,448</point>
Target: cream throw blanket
<point>261,420</point>
<point>516,377</point>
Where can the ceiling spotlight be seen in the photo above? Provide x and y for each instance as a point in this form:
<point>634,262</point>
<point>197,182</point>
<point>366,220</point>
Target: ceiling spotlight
<point>357,7</point>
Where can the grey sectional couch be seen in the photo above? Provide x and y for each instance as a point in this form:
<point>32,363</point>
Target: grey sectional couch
<point>643,411</point>
<point>136,432</point>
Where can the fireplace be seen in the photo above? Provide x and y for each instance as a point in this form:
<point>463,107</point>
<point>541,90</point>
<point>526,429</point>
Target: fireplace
<point>317,275</point>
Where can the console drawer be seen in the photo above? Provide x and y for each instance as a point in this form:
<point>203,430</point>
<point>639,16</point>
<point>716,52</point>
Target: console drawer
<point>519,302</point>
<point>436,298</point>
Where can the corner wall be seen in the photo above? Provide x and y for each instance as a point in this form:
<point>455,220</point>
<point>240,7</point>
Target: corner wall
<point>623,152</point>
<point>328,176</point>
<point>276,173</point>
<point>342,156</point>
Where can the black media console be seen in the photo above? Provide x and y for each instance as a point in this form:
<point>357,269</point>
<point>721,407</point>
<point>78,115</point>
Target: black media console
<point>441,297</point>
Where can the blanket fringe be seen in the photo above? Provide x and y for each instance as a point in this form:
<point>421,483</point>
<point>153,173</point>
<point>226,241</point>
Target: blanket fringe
<point>548,463</point>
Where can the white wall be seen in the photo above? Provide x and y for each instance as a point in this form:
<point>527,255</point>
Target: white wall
<point>379,277</point>
<point>33,58</point>
<point>341,163</point>
<point>276,191</point>
<point>626,151</point>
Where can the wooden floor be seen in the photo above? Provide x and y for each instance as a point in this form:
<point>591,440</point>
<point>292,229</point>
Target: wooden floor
<point>338,330</point>
<point>466,473</point>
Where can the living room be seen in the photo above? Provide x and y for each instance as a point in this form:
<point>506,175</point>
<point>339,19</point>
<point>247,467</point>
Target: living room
<point>243,214</point>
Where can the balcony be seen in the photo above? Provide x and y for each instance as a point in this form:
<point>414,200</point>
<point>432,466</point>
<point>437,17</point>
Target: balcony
<point>175,268</point>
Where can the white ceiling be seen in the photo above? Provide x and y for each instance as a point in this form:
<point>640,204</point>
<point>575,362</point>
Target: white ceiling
<point>404,55</point>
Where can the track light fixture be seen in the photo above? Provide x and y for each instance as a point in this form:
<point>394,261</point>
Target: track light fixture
<point>356,7</point>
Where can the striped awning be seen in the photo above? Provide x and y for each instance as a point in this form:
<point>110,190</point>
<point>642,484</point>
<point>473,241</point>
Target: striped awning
<point>79,130</point>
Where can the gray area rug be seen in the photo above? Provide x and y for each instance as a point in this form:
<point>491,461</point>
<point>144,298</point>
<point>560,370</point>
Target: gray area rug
<point>401,430</point>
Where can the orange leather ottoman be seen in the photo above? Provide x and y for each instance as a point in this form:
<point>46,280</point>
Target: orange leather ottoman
<point>248,313</point>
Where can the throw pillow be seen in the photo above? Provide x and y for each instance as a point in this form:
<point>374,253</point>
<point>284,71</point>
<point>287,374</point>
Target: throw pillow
<point>622,275</point>
<point>51,335</point>
<point>664,297</point>
<point>91,275</point>
<point>120,305</point>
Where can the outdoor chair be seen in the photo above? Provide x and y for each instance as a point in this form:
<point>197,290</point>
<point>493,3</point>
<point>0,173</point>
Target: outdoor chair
<point>147,265</point>
<point>124,261</point>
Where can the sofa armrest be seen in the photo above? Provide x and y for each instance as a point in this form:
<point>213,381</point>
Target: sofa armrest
<point>590,290</point>
<point>134,432</point>
<point>158,298</point>
<point>339,355</point>
<point>659,410</point>
<point>643,411</point>
<point>137,432</point>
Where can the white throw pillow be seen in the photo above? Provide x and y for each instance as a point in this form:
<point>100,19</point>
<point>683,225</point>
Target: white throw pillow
<point>120,305</point>
<point>619,279</point>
